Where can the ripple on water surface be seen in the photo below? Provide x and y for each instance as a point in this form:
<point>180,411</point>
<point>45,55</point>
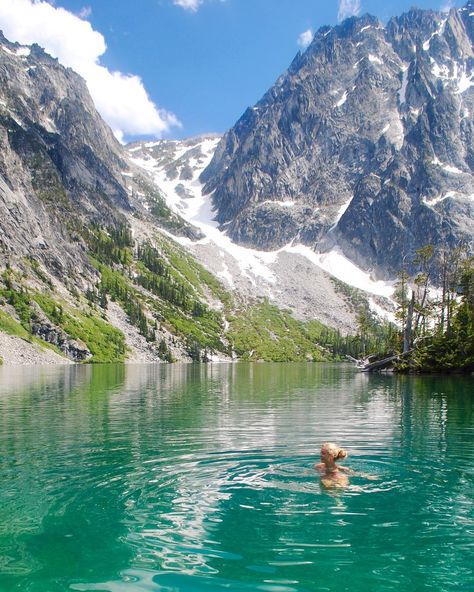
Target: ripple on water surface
<point>188,478</point>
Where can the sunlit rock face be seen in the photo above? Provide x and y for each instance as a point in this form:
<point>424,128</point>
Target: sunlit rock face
<point>365,142</point>
<point>59,162</point>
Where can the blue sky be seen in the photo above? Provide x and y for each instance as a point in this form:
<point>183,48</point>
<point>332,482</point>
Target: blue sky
<point>203,61</point>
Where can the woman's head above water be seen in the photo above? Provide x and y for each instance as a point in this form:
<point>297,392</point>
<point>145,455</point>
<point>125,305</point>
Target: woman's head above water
<point>331,452</point>
<point>332,475</point>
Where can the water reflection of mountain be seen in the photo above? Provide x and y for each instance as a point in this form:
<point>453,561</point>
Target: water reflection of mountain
<point>38,379</point>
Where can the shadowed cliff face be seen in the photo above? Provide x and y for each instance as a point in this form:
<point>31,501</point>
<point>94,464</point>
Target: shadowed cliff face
<point>366,141</point>
<point>59,162</point>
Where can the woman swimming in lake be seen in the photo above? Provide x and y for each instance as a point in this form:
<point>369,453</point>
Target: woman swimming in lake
<point>332,475</point>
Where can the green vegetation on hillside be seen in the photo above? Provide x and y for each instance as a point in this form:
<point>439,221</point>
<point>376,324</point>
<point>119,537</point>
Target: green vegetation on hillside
<point>374,336</point>
<point>105,343</point>
<point>9,326</point>
<point>158,284</point>
<point>265,332</point>
<point>163,290</point>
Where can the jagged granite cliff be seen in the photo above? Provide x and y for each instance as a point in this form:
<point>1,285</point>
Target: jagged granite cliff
<point>366,142</point>
<point>58,159</point>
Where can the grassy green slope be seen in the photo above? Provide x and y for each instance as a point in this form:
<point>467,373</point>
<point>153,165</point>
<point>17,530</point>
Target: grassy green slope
<point>160,286</point>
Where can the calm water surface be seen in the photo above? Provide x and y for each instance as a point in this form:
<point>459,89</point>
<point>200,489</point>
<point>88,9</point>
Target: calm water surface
<point>189,478</point>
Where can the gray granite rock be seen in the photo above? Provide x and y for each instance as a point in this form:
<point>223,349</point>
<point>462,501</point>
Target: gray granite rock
<point>60,164</point>
<point>369,134</point>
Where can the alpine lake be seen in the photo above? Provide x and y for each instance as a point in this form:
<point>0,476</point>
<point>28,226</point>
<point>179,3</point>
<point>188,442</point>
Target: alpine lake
<point>189,478</point>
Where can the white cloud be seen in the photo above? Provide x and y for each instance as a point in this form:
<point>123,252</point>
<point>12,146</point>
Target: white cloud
<point>191,5</point>
<point>348,8</point>
<point>305,38</point>
<point>120,98</point>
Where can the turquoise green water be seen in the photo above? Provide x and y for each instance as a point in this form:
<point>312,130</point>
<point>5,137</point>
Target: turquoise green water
<point>190,478</point>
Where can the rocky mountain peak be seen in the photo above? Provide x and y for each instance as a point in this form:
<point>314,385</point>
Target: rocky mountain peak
<point>365,142</point>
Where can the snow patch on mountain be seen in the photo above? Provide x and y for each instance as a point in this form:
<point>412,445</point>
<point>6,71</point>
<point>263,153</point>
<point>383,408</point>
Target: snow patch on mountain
<point>447,167</point>
<point>439,31</point>
<point>403,88</point>
<point>440,198</point>
<point>375,59</point>
<point>197,209</point>
<point>283,204</point>
<point>336,264</point>
<point>342,100</point>
<point>340,212</point>
<point>22,52</point>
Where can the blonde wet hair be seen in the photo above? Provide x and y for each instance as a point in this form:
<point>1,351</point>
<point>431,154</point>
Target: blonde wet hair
<point>331,449</point>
